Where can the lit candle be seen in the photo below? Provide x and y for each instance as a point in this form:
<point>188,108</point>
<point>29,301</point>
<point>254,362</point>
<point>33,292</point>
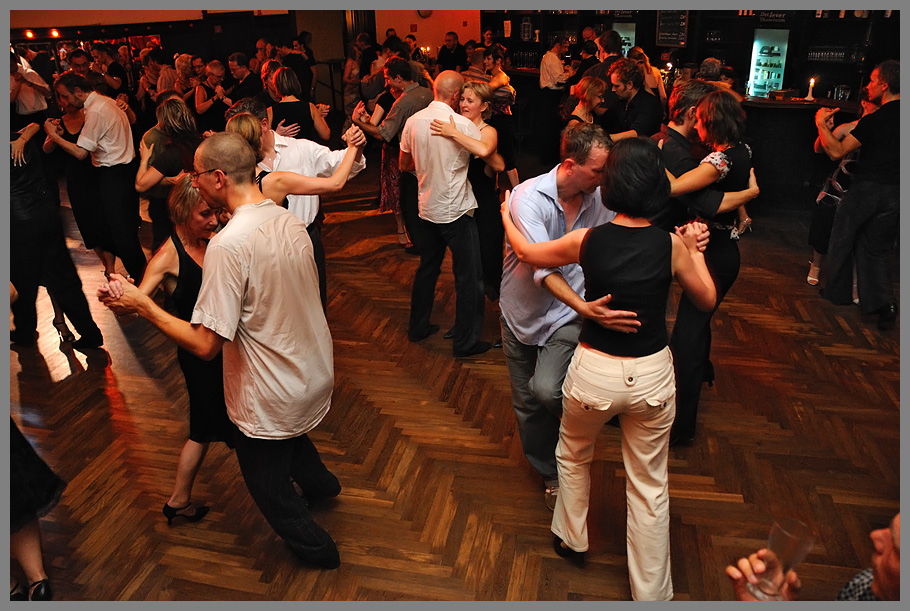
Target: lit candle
<point>811,85</point>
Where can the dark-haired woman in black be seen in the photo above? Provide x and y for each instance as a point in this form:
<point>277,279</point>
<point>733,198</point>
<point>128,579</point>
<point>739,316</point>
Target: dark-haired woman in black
<point>294,106</point>
<point>625,374</point>
<point>721,125</point>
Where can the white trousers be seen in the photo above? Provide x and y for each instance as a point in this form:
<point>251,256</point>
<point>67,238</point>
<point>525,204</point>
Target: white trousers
<point>642,391</point>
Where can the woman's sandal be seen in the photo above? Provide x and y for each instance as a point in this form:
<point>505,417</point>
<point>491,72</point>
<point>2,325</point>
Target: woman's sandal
<point>403,240</point>
<point>64,332</point>
<point>744,225</point>
<point>812,278</point>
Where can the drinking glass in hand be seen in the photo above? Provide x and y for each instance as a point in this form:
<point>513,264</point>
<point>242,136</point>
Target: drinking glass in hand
<point>788,544</point>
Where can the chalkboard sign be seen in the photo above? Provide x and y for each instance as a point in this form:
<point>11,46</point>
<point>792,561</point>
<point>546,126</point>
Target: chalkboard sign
<point>672,27</point>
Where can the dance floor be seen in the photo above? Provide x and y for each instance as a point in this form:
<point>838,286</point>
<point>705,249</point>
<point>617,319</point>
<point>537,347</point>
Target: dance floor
<point>438,501</point>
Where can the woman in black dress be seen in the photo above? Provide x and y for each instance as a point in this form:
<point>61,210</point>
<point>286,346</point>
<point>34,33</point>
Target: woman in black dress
<point>81,184</point>
<point>211,101</point>
<point>721,125</point>
<point>294,106</point>
<point>34,490</point>
<point>177,267</point>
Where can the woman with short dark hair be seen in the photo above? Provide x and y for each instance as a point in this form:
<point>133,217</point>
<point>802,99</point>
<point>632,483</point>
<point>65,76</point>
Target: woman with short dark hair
<point>294,106</point>
<point>629,375</point>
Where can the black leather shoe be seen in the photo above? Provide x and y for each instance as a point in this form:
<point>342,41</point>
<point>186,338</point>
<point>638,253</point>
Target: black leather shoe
<point>432,329</point>
<point>576,558</point>
<point>478,348</point>
<point>887,316</point>
<point>449,334</point>
<point>40,590</point>
<point>709,373</point>
<point>681,439</point>
<point>88,342</point>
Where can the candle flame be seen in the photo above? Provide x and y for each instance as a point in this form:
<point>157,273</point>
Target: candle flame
<point>811,81</point>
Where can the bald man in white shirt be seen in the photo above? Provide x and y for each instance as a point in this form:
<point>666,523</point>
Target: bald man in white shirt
<point>446,203</point>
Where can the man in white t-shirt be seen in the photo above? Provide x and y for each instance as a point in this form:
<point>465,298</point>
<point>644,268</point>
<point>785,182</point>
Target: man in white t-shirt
<point>446,202</point>
<point>278,370</point>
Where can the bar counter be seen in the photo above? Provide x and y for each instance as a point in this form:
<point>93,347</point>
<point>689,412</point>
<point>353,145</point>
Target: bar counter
<point>782,134</point>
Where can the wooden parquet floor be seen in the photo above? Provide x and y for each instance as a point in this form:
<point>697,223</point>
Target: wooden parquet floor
<point>438,501</point>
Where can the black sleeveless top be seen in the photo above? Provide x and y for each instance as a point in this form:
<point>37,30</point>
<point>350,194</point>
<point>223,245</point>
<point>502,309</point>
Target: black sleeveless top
<point>262,174</point>
<point>213,118</point>
<point>633,265</point>
<point>484,186</point>
<point>189,281</point>
<point>77,170</point>
<point>295,112</point>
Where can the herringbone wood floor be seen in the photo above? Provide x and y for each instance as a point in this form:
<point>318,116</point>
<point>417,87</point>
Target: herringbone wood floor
<point>438,501</point>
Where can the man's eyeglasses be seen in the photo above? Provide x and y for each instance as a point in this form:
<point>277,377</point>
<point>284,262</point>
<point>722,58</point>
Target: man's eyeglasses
<point>196,175</point>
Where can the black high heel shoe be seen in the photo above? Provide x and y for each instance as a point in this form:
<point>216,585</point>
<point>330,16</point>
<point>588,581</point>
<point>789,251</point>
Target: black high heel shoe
<point>64,332</point>
<point>576,558</point>
<point>171,512</point>
<point>40,590</point>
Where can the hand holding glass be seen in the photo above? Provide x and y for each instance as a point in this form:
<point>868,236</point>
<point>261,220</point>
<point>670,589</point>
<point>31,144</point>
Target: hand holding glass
<point>788,544</point>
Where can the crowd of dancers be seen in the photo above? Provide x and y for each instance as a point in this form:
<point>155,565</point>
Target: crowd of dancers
<point>647,188</point>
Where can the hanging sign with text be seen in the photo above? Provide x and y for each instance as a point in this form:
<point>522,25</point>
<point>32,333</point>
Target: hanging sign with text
<point>672,28</point>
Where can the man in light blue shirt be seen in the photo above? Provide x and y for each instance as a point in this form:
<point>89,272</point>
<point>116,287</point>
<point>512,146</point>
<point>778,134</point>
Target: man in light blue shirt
<point>541,307</point>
